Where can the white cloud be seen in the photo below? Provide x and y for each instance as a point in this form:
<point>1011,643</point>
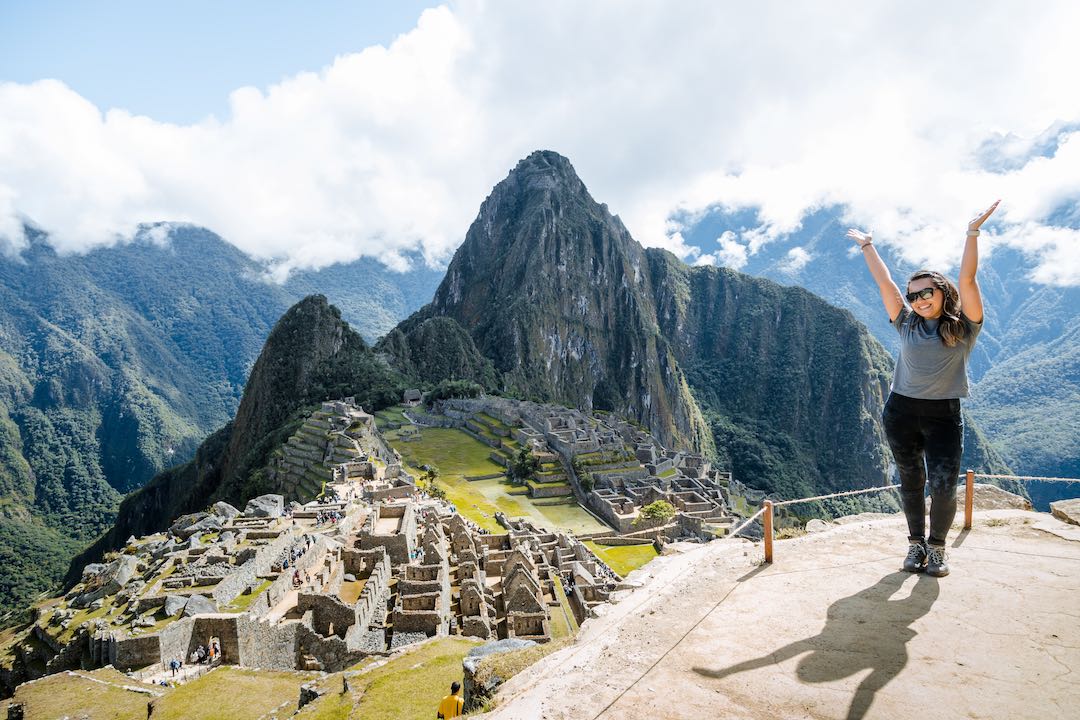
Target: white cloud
<point>786,107</point>
<point>795,260</point>
<point>731,252</point>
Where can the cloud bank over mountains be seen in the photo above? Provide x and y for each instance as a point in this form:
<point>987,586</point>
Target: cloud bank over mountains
<point>913,117</point>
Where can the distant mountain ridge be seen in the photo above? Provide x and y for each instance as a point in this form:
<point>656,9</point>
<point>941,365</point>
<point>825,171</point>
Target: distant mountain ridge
<point>118,363</point>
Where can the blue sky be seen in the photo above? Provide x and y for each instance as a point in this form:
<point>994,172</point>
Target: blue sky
<point>313,133</point>
<point>178,61</point>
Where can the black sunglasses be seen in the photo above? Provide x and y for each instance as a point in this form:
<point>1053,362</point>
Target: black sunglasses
<point>925,294</point>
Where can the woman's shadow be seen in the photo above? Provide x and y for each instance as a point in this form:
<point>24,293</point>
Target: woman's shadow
<point>864,630</point>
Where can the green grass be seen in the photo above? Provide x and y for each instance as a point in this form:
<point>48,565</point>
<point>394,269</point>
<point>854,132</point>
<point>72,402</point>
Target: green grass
<point>390,414</point>
<point>242,602</point>
<point>623,559</point>
<point>668,473</point>
<point>545,484</point>
<point>563,622</point>
<point>232,694</point>
<point>333,705</point>
<point>409,687</point>
<point>457,454</point>
<point>494,422</point>
<point>81,617</point>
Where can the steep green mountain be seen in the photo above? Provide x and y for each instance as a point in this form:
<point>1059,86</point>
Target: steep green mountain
<point>777,384</point>
<point>114,365</point>
<point>311,355</point>
<point>431,349</point>
<point>792,386</point>
<point>554,291</point>
<point>117,363</point>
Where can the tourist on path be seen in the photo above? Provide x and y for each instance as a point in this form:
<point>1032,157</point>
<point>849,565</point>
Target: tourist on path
<point>922,415</point>
<point>451,705</point>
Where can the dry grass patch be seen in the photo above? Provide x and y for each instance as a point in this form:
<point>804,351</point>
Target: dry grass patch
<point>233,694</point>
<point>79,696</point>
<point>506,665</point>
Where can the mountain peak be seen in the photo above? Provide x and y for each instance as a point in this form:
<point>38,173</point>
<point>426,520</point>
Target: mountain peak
<point>542,171</point>
<point>555,292</point>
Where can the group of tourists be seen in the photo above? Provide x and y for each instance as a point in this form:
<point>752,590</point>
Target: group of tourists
<point>206,653</point>
<point>324,517</point>
<point>297,581</point>
<point>296,551</point>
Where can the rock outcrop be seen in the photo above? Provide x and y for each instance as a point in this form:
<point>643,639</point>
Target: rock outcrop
<point>1066,511</point>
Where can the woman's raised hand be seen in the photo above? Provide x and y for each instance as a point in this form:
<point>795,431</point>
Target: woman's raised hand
<point>860,237</point>
<point>977,221</point>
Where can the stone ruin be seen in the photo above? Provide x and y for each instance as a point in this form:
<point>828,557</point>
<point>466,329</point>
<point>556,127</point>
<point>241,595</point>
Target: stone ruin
<point>629,468</point>
<point>366,565</point>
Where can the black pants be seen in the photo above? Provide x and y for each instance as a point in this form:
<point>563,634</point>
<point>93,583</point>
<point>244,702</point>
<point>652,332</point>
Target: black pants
<point>927,439</point>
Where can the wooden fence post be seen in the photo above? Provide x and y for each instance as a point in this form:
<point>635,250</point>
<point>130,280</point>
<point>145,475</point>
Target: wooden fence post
<point>969,499</point>
<point>767,521</point>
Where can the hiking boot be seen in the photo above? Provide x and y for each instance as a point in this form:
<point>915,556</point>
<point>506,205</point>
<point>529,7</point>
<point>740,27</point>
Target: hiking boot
<point>916,558</point>
<point>935,561</point>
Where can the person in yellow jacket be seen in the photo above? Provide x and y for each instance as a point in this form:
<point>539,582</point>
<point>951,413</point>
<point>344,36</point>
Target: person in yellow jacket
<point>452,704</point>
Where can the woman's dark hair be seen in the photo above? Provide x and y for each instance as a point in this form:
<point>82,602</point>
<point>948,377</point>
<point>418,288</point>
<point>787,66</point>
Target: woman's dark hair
<point>951,328</point>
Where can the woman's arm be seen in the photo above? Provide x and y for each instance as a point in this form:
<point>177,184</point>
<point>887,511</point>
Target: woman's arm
<point>968,285</point>
<point>890,293</point>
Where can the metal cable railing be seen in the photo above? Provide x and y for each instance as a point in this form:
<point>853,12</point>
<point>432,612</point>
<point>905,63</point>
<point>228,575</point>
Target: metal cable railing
<point>1026,477</point>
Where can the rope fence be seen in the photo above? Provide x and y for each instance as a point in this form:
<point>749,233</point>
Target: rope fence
<point>768,506</point>
<point>1026,477</point>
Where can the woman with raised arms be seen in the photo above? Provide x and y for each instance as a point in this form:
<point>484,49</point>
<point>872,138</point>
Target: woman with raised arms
<point>922,421</point>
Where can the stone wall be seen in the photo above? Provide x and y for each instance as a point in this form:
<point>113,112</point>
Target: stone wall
<point>175,640</point>
<point>327,611</point>
<point>623,541</point>
<point>428,623</point>
<point>398,546</point>
<point>235,583</point>
<point>283,583</point>
<point>538,491</point>
<point>332,654</point>
<point>419,587</point>
<point>392,493</point>
<point>271,646</point>
<point>135,652</point>
<point>372,600</point>
<point>247,575</point>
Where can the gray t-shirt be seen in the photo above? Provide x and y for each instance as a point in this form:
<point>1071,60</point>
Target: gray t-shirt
<point>927,368</point>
